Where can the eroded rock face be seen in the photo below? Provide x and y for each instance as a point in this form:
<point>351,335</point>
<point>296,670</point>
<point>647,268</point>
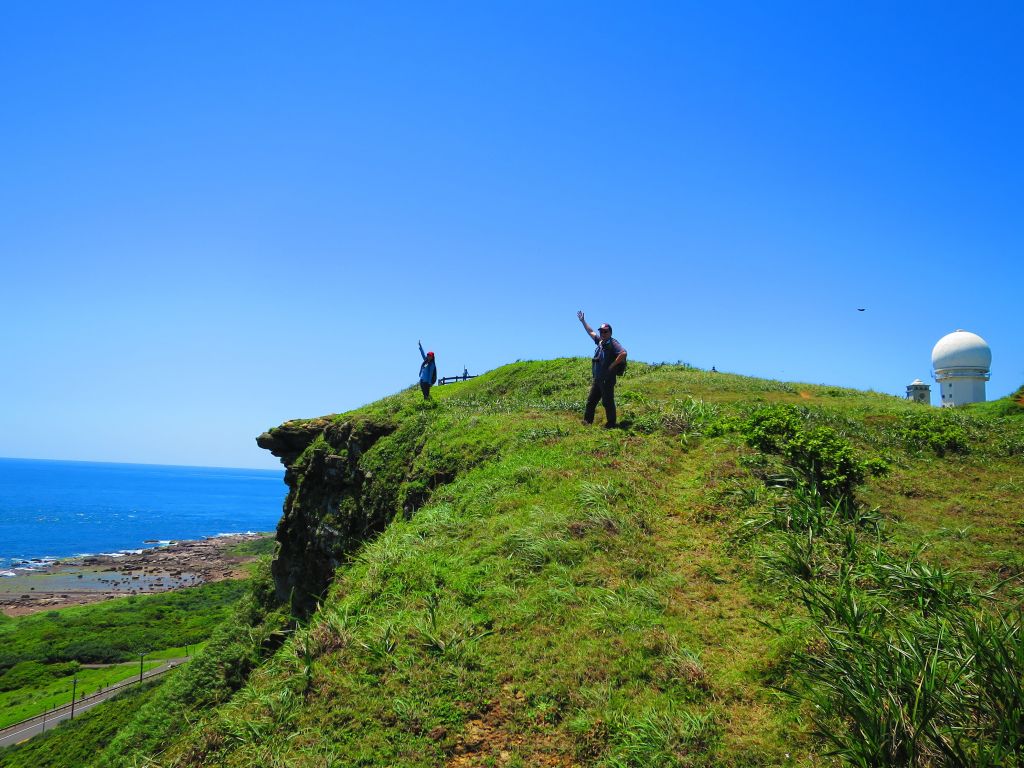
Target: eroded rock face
<point>331,506</point>
<point>288,441</point>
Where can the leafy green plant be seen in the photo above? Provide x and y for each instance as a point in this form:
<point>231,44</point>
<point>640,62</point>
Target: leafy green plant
<point>819,456</point>
<point>771,429</point>
<point>940,431</point>
<point>929,588</point>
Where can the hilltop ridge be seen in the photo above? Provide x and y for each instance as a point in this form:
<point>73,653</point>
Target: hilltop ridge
<point>483,580</point>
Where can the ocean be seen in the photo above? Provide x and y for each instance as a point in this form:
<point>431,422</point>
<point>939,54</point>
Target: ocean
<point>57,509</point>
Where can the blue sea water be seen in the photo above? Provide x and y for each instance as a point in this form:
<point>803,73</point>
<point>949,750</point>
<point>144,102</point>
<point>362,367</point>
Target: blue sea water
<point>56,509</point>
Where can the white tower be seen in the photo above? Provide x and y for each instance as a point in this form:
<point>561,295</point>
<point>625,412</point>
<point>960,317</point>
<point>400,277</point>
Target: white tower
<point>919,392</point>
<point>961,361</point>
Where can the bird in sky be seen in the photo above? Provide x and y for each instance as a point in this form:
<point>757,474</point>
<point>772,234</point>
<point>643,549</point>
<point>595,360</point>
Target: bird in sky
<point>861,309</point>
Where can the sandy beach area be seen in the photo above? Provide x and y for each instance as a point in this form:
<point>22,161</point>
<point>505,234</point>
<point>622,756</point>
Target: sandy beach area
<point>92,579</point>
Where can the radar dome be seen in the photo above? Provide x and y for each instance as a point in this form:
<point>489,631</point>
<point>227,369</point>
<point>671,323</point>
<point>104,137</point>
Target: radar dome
<point>961,349</point>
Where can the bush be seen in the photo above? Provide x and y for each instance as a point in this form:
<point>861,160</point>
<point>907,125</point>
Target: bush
<point>936,431</point>
<point>770,429</point>
<point>33,674</point>
<point>825,461</point>
<point>822,459</point>
<point>118,630</point>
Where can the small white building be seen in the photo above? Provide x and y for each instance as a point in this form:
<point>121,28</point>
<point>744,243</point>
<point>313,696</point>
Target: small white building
<point>962,361</point>
<point>919,392</point>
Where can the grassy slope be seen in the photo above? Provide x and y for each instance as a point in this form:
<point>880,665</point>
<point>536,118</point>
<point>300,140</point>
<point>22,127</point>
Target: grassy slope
<point>41,653</point>
<point>579,596</point>
<point>76,742</point>
<point>23,703</point>
<point>118,630</point>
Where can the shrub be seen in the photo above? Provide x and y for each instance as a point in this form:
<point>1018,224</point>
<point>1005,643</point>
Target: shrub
<point>936,431</point>
<point>826,462</point>
<point>33,673</point>
<point>771,428</point>
<point>822,459</point>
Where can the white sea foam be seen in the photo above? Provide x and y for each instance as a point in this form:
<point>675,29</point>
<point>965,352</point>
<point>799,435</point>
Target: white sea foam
<point>7,573</point>
<point>34,564</point>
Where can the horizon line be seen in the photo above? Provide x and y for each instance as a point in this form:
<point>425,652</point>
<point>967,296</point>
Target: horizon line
<point>137,463</point>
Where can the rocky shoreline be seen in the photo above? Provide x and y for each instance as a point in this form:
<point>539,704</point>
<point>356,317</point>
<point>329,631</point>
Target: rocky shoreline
<point>91,579</point>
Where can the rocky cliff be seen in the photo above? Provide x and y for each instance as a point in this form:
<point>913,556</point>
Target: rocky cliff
<point>348,476</point>
<point>332,503</point>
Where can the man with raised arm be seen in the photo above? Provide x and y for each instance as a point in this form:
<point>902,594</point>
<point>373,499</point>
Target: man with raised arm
<point>608,362</point>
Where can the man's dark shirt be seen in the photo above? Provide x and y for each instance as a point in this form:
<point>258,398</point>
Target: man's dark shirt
<point>604,356</point>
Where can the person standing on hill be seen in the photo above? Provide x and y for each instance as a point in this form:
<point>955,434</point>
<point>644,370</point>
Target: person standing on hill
<point>428,372</point>
<point>609,360</point>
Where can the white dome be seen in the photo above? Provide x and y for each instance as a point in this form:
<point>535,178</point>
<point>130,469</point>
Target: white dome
<point>961,349</point>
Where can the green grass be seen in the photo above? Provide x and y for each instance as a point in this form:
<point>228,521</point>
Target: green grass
<point>42,653</point>
<point>265,545</point>
<point>178,652</point>
<point>117,630</point>
<point>524,590</point>
<point>563,594</point>
<point>254,630</point>
<point>75,743</point>
<point>23,703</point>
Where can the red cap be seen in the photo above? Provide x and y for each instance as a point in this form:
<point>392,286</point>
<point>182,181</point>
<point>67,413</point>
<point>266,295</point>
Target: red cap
<point>430,354</point>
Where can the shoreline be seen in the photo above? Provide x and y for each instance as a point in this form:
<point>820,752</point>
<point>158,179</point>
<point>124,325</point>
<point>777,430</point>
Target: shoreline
<point>93,578</point>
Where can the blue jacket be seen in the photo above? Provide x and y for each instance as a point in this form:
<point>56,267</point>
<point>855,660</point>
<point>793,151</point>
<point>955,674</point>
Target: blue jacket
<point>428,368</point>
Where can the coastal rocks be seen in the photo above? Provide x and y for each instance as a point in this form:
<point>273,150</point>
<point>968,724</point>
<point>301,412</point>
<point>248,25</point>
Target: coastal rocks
<point>94,578</point>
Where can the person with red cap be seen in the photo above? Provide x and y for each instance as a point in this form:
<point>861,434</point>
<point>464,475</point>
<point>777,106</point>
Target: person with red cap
<point>428,372</point>
<point>608,362</point>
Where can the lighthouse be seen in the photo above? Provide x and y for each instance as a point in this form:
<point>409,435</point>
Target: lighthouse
<point>962,361</point>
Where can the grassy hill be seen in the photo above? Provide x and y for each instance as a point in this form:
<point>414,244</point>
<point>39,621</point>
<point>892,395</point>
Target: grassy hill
<point>748,573</point>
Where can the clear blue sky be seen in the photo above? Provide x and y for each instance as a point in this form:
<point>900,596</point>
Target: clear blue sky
<point>218,216</point>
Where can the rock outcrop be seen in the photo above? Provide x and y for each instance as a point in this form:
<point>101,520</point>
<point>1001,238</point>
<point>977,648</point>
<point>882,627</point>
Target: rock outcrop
<point>332,504</point>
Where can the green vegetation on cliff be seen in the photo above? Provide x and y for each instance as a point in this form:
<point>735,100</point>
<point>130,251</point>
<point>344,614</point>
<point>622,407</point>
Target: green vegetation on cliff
<point>749,573</point>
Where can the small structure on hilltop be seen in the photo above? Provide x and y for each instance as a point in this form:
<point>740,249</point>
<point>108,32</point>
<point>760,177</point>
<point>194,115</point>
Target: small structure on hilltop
<point>464,377</point>
<point>919,392</point>
<point>962,361</point>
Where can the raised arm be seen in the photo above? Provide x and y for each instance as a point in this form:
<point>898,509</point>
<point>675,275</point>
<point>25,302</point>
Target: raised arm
<point>589,330</point>
<point>422,353</point>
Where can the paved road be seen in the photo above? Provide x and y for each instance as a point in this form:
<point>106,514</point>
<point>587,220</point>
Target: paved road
<point>25,730</point>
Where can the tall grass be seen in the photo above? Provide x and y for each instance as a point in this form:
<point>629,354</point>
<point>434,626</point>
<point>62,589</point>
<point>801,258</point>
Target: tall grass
<point>910,667</point>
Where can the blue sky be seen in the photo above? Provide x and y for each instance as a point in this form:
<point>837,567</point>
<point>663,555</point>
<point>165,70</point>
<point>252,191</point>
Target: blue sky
<point>218,216</point>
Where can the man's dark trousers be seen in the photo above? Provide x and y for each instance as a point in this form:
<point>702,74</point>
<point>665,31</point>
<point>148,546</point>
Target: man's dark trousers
<point>604,390</point>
